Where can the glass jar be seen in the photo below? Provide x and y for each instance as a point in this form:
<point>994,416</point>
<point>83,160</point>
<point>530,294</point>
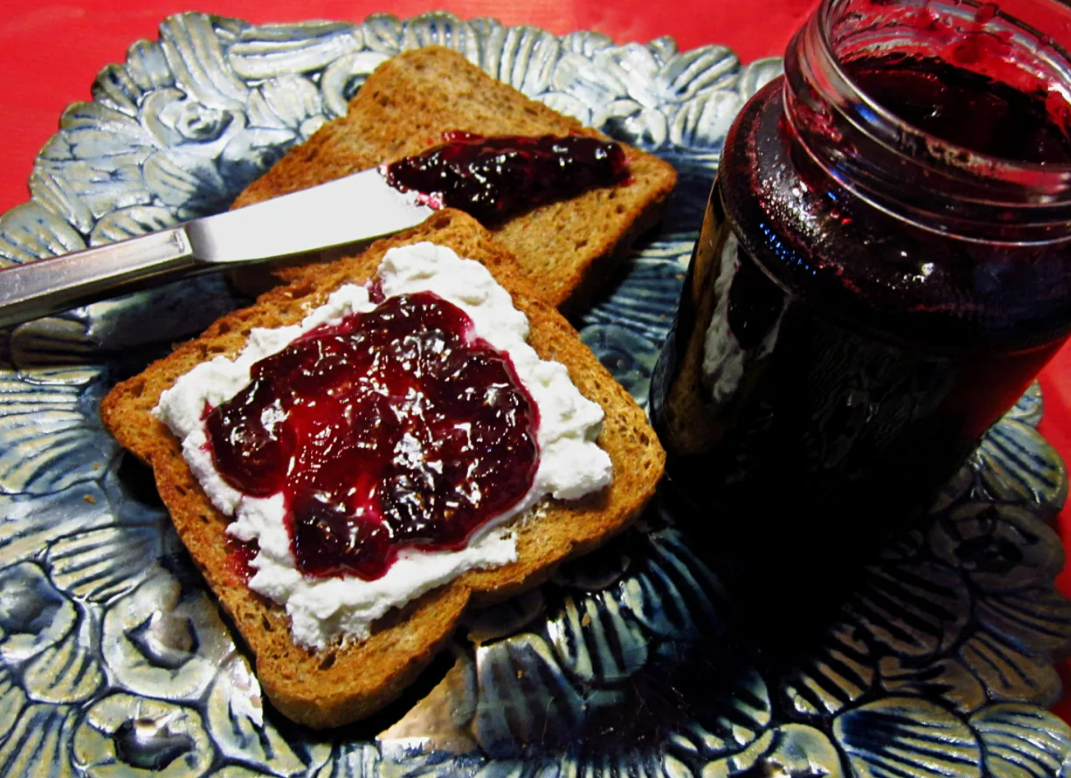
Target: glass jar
<point>883,267</point>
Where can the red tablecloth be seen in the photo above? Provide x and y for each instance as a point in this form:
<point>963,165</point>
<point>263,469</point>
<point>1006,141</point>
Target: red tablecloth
<point>50,52</point>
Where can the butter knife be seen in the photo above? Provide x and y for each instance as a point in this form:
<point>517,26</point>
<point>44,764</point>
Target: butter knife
<point>356,208</point>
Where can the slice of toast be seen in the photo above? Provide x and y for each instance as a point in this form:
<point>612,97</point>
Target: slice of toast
<point>335,686</point>
<point>567,248</point>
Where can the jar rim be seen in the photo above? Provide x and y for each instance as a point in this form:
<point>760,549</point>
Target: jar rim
<point>887,125</point>
<point>927,180</point>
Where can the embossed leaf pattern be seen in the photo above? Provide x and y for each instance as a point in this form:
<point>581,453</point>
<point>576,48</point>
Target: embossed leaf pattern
<point>195,55</point>
<point>1007,673</point>
<point>1015,464</point>
<point>1038,621</point>
<point>92,552</point>
<point>93,130</point>
<point>126,734</point>
<point>99,641</point>
<point>949,680</point>
<point>186,181</point>
<point>130,222</point>
<point>382,33</point>
<point>162,641</point>
<point>1023,742</point>
<point>238,771</point>
<point>39,742</point>
<point>351,760</point>
<point>504,619</point>
<point>523,57</point>
<point>568,105</point>
<point>439,28</point>
<point>54,351</point>
<point>30,231</point>
<point>673,594</point>
<point>104,184</point>
<point>69,671</point>
<point>267,51</point>
<point>100,565</point>
<point>642,764</point>
<point>343,77</point>
<point>236,723</point>
<point>640,307</point>
<point>50,442</point>
<point>733,713</point>
<point>586,42</point>
<point>285,101</point>
<point>916,609</point>
<point>116,88</point>
<point>1029,408</point>
<point>1001,548</point>
<point>12,700</point>
<point>630,357</point>
<point>907,737</point>
<point>757,74</point>
<point>595,639</point>
<point>34,615</point>
<point>799,750</point>
<point>525,698</point>
<point>831,678</point>
<point>703,123</point>
<point>706,69</point>
<point>51,189</point>
<point>148,66</point>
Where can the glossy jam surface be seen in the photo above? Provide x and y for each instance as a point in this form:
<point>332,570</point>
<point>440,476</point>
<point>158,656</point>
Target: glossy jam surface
<point>493,177</point>
<point>394,428</point>
<point>833,365</point>
<point>965,108</point>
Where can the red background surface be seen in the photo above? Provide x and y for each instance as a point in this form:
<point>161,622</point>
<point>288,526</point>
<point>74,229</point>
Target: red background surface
<point>50,53</point>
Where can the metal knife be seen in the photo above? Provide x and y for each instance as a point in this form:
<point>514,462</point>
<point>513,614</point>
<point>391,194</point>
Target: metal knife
<point>358,207</point>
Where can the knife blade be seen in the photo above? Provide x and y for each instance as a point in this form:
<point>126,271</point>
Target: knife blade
<point>359,207</point>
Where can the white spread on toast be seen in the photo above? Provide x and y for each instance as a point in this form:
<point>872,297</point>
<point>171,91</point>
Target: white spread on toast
<point>322,610</point>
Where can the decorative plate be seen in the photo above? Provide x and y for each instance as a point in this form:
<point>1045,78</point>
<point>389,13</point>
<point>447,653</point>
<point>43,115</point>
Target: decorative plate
<point>633,662</point>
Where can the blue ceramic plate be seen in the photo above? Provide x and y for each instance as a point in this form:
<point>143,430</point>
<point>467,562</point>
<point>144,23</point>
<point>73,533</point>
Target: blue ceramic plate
<point>936,660</point>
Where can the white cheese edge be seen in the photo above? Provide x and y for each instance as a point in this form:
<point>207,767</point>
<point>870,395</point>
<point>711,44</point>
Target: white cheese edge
<point>323,610</point>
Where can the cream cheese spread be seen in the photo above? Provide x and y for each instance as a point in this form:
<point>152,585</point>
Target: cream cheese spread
<point>323,610</point>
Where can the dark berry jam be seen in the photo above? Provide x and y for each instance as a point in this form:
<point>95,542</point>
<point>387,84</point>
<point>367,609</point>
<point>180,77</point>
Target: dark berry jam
<point>833,362</point>
<point>491,178</point>
<point>394,428</point>
<point>965,108</point>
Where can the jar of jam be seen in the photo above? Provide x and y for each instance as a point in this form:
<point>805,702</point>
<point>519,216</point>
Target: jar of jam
<point>883,267</point>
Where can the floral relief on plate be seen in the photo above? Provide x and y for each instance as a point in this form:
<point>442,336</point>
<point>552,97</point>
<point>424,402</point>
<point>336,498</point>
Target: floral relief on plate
<point>635,661</point>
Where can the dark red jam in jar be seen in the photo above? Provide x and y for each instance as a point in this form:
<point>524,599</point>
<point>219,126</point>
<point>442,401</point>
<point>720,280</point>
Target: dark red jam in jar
<point>492,177</point>
<point>394,428</point>
<point>884,266</point>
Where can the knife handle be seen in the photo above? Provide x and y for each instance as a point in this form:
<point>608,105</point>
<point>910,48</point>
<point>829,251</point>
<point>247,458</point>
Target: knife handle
<point>56,284</point>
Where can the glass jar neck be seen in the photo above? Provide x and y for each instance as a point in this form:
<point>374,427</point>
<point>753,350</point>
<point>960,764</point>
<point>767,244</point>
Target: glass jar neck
<point>916,176</point>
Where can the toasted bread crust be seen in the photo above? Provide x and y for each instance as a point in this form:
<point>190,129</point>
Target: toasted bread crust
<point>339,685</point>
<point>567,248</point>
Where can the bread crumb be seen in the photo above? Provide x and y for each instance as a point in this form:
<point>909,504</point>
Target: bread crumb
<point>585,620</point>
<point>90,499</point>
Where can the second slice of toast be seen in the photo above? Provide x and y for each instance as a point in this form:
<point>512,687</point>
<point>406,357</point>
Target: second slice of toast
<point>567,248</point>
<point>338,685</point>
